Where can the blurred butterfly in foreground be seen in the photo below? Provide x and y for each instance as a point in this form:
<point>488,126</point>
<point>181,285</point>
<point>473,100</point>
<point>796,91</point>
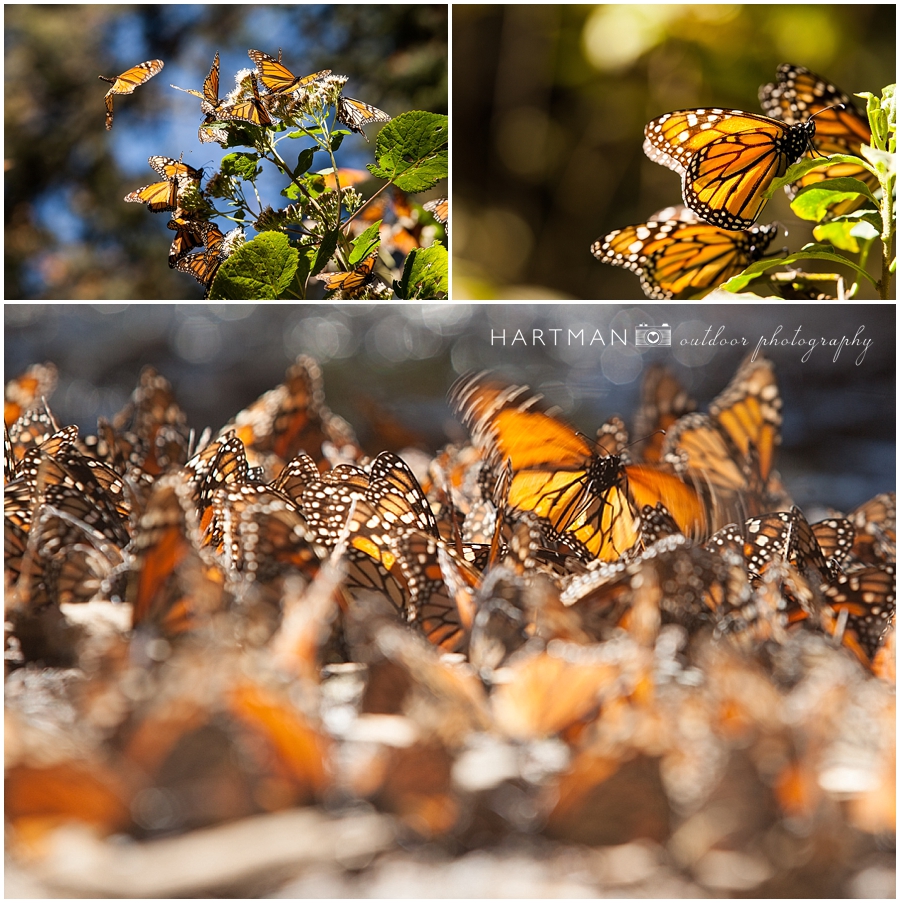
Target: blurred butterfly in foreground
<point>799,94</point>
<point>127,82</point>
<point>354,114</point>
<point>726,159</point>
<point>676,254</point>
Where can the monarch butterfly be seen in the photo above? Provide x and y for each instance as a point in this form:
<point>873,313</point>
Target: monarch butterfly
<point>440,210</point>
<point>169,585</point>
<point>188,235</point>
<point>684,256</point>
<point>203,267</point>
<point>250,109</point>
<point>663,401</point>
<point>292,417</point>
<point>799,94</point>
<point>127,82</point>
<point>726,158</point>
<point>729,453</point>
<point>27,389</point>
<point>353,280</point>
<point>354,114</point>
<point>210,95</point>
<point>158,196</point>
<point>875,522</point>
<point>175,169</point>
<point>587,500</point>
<point>868,595</point>
<point>278,78</point>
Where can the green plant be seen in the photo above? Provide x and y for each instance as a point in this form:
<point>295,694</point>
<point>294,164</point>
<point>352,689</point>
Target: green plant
<point>854,232</point>
<point>325,217</point>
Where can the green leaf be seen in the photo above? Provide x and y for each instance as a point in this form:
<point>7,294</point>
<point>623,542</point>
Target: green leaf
<point>325,252</point>
<point>809,252</point>
<point>846,235</point>
<point>337,139</point>
<point>363,245</point>
<point>425,274</point>
<point>242,165</point>
<point>813,203</point>
<point>259,270</point>
<point>304,161</point>
<point>411,151</point>
<point>800,169</point>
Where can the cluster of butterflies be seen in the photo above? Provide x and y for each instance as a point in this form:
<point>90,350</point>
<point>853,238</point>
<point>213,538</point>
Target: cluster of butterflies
<point>248,105</point>
<point>531,552</point>
<point>727,159</point>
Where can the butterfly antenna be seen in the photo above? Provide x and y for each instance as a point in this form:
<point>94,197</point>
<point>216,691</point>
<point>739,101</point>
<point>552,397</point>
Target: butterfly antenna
<point>837,106</point>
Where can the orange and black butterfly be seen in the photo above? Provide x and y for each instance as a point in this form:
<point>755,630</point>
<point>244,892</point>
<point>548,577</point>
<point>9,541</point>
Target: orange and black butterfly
<point>251,109</point>
<point>127,82</point>
<point>726,159</point>
<point>277,78</point>
<point>170,586</point>
<point>439,209</point>
<point>729,453</point>
<point>188,235</point>
<point>875,522</point>
<point>355,114</point>
<point>587,500</point>
<point>663,401</point>
<point>210,94</point>
<point>353,280</point>
<point>162,196</point>
<point>204,266</point>
<point>868,597</point>
<point>27,389</point>
<point>290,418</point>
<point>799,94</point>
<point>682,256</point>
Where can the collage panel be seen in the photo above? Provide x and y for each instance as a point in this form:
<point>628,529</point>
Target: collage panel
<point>449,600</point>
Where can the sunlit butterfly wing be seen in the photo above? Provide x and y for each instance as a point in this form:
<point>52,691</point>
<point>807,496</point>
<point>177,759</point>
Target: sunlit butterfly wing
<point>158,196</point>
<point>439,209</point>
<point>188,235</point>
<point>251,109</point>
<point>868,596</point>
<point>350,281</point>
<point>170,587</point>
<point>175,169</point>
<point>355,114</point>
<point>677,259</point>
<point>127,82</point>
<point>799,94</point>
<point>278,78</point>
<point>726,158</point>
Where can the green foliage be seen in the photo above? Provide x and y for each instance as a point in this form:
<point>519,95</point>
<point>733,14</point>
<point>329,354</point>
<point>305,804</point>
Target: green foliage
<point>855,232</point>
<point>426,274</point>
<point>412,151</point>
<point>316,228</point>
<point>259,270</point>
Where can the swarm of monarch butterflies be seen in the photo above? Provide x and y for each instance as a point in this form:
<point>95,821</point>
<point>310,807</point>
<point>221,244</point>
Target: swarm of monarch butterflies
<point>610,633</point>
<point>269,96</point>
<point>727,159</point>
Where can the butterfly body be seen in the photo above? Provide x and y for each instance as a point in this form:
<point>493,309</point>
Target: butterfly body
<point>726,158</point>
<point>277,78</point>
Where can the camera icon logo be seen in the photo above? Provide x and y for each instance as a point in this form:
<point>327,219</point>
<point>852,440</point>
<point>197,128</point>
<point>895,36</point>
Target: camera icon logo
<point>652,336</point>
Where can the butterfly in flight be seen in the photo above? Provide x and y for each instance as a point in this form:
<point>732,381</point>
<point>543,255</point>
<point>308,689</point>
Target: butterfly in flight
<point>127,82</point>
<point>682,256</point>
<point>726,158</point>
<point>587,499</point>
<point>798,94</point>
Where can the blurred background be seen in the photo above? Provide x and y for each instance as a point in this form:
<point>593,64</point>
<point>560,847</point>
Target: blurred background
<point>68,233</point>
<point>549,107</point>
<point>387,369</point>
